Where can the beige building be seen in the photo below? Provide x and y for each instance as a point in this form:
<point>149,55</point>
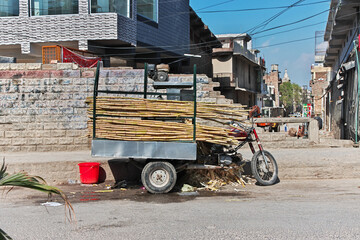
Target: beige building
<point>239,70</point>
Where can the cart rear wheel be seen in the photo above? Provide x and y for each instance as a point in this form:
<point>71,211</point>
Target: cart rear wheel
<point>158,177</point>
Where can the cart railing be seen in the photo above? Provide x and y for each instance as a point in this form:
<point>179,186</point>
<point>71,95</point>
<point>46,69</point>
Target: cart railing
<point>145,93</point>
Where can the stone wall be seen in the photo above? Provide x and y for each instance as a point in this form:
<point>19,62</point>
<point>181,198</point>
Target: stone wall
<point>42,106</point>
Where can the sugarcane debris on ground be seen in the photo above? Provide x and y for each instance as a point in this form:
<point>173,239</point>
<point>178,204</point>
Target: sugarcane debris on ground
<point>215,179</point>
<point>131,119</point>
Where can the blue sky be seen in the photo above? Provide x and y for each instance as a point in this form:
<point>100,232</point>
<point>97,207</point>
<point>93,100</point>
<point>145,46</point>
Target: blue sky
<point>296,57</point>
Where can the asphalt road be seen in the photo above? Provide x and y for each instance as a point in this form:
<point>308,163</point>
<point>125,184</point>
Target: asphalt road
<point>291,209</point>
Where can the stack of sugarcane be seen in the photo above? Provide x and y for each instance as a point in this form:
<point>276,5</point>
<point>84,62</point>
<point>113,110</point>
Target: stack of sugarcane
<point>128,119</point>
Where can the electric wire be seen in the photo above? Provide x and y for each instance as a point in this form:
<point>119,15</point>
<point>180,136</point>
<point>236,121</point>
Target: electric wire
<point>266,22</point>
<point>199,44</point>
<point>259,9</point>
<point>169,46</point>
<point>292,23</point>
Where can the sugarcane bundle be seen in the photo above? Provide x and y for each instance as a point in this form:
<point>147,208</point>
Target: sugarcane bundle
<point>132,107</point>
<point>134,119</point>
<point>129,129</point>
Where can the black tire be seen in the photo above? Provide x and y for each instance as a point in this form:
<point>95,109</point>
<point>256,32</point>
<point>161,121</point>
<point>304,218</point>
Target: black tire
<point>262,175</point>
<point>158,177</point>
<point>270,129</point>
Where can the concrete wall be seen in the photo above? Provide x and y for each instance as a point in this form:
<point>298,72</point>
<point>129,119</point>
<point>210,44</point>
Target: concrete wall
<point>42,107</point>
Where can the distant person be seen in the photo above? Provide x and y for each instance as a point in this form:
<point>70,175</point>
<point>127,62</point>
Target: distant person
<point>320,124</point>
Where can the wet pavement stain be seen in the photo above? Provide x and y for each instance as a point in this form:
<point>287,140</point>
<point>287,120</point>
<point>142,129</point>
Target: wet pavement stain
<point>77,193</point>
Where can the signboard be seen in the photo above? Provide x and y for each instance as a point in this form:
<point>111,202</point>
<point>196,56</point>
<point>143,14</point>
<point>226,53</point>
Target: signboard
<point>307,109</point>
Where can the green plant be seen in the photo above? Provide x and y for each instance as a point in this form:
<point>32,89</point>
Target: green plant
<point>24,180</point>
<point>290,96</point>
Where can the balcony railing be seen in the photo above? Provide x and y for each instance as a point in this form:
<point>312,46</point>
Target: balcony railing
<point>239,49</point>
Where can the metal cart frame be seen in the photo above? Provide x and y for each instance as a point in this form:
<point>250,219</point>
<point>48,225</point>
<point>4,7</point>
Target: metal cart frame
<point>158,173</point>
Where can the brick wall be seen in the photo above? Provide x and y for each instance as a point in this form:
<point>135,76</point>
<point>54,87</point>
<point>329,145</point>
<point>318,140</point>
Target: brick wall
<point>272,79</point>
<point>317,89</point>
<point>42,106</point>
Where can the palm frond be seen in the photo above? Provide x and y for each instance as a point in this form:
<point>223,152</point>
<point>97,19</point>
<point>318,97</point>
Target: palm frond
<point>24,180</point>
<point>3,169</point>
<point>4,236</point>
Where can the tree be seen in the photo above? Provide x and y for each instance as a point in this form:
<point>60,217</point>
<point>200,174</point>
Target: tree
<point>290,96</point>
<point>22,179</point>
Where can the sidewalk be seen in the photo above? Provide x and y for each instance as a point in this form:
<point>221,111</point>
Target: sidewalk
<point>314,163</point>
<point>54,167</point>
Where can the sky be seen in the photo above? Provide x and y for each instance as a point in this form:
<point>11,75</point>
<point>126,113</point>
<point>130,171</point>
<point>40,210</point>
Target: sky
<point>296,57</point>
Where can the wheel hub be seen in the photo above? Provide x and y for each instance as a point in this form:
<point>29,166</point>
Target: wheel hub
<point>159,177</point>
<point>263,167</point>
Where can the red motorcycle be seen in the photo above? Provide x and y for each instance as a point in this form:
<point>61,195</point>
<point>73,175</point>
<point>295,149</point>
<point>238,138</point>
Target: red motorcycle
<point>263,164</point>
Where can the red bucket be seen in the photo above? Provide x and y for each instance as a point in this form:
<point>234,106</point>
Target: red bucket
<point>89,172</point>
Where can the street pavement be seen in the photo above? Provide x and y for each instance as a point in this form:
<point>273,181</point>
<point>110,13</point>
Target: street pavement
<point>323,205</point>
<point>292,209</point>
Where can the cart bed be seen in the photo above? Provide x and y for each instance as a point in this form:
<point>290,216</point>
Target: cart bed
<point>143,150</point>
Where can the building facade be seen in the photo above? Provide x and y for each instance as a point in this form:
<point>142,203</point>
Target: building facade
<point>342,98</point>
<point>318,83</point>
<point>239,70</point>
<point>273,81</point>
<point>141,30</point>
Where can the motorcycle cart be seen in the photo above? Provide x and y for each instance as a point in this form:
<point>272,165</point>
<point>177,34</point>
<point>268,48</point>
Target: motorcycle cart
<point>161,161</point>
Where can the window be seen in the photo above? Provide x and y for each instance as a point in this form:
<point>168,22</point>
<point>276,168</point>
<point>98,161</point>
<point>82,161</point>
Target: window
<point>148,9</point>
<point>122,7</point>
<point>9,8</point>
<point>50,53</point>
<point>54,7</point>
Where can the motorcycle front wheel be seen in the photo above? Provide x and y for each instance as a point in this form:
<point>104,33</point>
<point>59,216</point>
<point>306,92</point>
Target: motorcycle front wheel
<point>264,174</point>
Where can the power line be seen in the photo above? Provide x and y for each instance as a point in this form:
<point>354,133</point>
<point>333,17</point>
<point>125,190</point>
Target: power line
<point>290,30</point>
<point>164,46</point>
<point>214,5</point>
<point>287,42</point>
<point>259,9</point>
<point>264,23</point>
<point>292,23</point>
<point>186,45</point>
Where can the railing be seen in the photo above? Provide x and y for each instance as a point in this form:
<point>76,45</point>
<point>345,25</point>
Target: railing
<point>238,49</point>
<point>313,130</point>
<point>145,93</point>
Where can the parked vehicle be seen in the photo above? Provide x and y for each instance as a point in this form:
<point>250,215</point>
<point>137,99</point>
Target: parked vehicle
<point>268,112</point>
<point>297,114</point>
<point>160,161</point>
<point>263,164</point>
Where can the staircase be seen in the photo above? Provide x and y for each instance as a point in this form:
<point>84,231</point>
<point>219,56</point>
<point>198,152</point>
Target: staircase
<point>215,95</point>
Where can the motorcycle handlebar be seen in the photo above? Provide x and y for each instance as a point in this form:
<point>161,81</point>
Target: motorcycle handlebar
<point>239,125</point>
